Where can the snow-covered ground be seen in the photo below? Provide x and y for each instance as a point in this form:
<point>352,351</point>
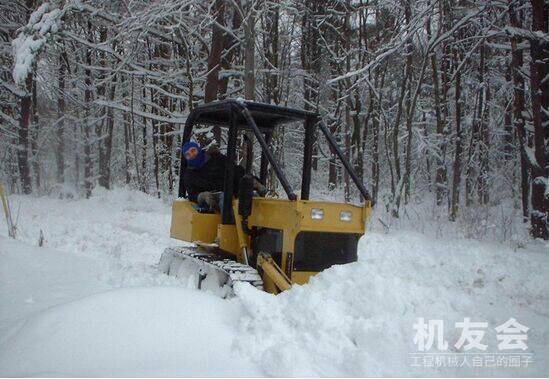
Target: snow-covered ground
<point>90,302</point>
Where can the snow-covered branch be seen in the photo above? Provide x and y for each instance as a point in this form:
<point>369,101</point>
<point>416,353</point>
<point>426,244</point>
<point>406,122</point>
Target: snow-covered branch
<point>151,116</point>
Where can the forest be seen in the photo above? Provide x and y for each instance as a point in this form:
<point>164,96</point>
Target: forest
<point>436,100</point>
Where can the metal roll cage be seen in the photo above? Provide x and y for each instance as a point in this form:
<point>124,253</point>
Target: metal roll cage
<point>235,115</point>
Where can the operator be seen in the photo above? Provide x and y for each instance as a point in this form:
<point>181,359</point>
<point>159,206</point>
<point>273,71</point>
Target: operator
<point>205,174</point>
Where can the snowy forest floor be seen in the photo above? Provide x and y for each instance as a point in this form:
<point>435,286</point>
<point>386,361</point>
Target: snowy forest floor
<point>91,302</point>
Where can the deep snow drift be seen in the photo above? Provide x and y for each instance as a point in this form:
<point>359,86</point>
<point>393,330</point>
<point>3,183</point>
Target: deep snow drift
<point>91,301</point>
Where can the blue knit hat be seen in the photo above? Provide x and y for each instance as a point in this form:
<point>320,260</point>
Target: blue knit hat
<point>200,158</point>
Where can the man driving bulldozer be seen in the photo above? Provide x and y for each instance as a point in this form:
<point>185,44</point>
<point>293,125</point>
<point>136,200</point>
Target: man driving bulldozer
<point>205,173</point>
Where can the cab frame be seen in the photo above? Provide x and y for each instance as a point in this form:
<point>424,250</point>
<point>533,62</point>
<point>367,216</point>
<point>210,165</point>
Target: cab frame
<point>261,119</point>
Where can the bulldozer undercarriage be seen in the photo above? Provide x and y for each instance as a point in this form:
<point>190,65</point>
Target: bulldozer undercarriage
<point>207,270</point>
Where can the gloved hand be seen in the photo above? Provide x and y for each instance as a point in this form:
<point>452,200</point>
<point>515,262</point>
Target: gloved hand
<point>260,188</point>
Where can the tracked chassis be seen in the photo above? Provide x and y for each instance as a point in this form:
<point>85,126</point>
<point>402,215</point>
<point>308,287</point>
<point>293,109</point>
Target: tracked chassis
<point>207,270</point>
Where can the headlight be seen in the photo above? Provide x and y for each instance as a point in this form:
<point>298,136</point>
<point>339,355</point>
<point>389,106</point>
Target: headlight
<point>317,213</point>
<point>345,216</point>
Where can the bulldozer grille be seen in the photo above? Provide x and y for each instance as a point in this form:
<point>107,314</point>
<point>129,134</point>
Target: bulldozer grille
<point>316,251</point>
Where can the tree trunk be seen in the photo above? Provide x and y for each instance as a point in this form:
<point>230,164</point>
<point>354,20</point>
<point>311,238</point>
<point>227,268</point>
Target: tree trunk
<point>519,108</point>
<point>484,153</point>
<point>134,143</point>
<point>232,51</point>
<point>471,155</point>
<point>332,170</point>
<point>376,122</point>
<point>36,131</point>
<point>23,138</point>
<point>88,97</point>
<point>347,131</point>
<point>508,140</point>
<point>456,181</point>
<point>127,159</point>
<point>88,163</point>
<point>440,176</point>
<point>60,152</point>
<point>427,155</point>
<point>108,139</point>
<point>76,136</point>
<point>144,144</point>
<point>310,60</point>
<point>155,154</point>
<point>249,54</point>
<point>104,129</point>
<point>153,93</point>
<point>403,97</point>
<point>483,133</point>
<point>347,37</point>
<point>539,71</point>
<point>270,47</point>
<point>214,60</point>
<point>23,148</point>
<point>396,130</point>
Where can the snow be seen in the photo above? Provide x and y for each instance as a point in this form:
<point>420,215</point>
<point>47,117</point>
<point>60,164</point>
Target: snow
<point>156,331</point>
<point>13,89</point>
<point>38,13</point>
<point>7,125</point>
<point>43,23</point>
<point>36,279</point>
<point>531,156</point>
<point>544,182</point>
<point>356,320</point>
<point>92,303</point>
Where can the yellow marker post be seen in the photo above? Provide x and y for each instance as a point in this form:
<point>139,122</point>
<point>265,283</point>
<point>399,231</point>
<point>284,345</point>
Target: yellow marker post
<point>7,212</point>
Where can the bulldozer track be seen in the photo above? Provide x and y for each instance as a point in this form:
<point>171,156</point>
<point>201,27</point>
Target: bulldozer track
<point>236,272</point>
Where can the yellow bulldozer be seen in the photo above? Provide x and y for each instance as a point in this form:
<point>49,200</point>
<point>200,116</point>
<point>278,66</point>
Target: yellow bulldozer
<point>269,242</point>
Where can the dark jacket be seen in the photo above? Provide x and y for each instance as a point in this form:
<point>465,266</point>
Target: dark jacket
<point>210,176</point>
